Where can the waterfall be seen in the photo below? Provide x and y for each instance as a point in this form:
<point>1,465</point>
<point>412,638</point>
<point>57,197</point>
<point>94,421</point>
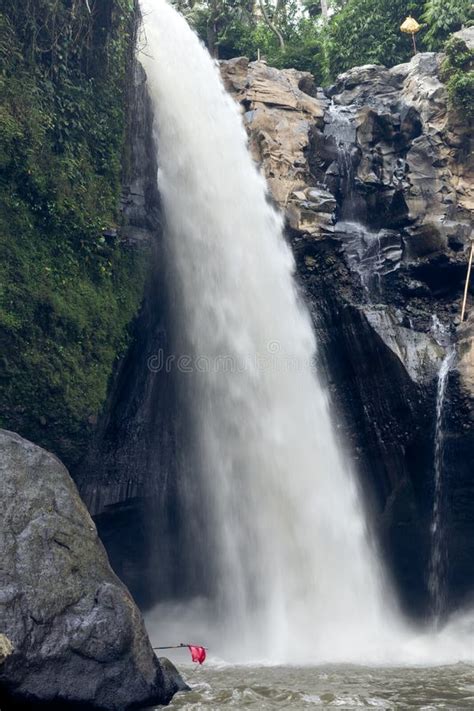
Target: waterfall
<point>371,254</point>
<point>272,516</point>
<point>295,576</point>
<point>438,557</point>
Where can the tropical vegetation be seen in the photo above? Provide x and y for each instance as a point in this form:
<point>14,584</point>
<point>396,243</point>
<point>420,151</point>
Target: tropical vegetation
<point>68,287</point>
<point>324,37</point>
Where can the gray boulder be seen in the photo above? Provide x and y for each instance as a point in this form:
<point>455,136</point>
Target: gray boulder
<point>77,638</point>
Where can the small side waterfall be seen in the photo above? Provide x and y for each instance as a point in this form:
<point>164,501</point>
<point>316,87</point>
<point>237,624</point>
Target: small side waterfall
<point>340,125</point>
<point>371,253</point>
<point>438,558</point>
<point>295,574</point>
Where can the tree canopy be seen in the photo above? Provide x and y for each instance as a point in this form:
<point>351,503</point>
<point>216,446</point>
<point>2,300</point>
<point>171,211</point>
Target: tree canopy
<point>324,37</point>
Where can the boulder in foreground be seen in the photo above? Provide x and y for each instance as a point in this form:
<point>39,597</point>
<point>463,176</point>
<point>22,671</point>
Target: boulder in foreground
<point>78,640</point>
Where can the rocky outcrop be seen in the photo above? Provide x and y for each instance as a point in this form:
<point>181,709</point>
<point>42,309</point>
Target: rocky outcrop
<point>411,158</point>
<point>281,107</point>
<point>140,202</point>
<point>376,183</point>
<point>406,177</point>
<point>74,636</point>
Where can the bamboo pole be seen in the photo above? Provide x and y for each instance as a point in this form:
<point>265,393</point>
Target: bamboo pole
<point>468,278</point>
<point>180,646</point>
<point>172,646</point>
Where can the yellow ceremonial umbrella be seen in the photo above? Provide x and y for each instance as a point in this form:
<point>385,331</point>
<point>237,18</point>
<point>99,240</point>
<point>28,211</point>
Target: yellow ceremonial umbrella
<point>410,26</point>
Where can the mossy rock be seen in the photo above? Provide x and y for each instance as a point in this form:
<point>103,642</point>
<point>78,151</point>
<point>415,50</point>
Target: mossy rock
<point>69,287</point>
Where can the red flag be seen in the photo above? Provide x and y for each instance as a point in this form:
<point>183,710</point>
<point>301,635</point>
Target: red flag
<point>198,654</point>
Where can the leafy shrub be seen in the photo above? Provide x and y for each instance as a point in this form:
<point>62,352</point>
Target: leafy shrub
<point>457,72</point>
<point>442,18</point>
<point>67,294</point>
<point>368,32</point>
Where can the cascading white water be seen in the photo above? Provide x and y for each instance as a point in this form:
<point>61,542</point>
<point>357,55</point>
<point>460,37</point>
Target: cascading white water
<point>437,566</point>
<point>297,579</point>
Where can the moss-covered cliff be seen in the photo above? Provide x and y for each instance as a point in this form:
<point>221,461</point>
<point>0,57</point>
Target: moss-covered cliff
<point>69,286</point>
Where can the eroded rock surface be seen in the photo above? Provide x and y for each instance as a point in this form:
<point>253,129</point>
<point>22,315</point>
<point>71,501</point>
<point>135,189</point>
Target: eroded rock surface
<point>75,634</point>
<point>281,106</point>
<point>376,181</point>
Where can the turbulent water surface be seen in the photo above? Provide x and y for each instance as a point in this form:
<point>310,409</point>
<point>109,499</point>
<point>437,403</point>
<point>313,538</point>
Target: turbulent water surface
<point>345,687</point>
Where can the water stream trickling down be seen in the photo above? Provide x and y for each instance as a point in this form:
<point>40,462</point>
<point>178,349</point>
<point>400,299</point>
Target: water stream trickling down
<point>295,575</point>
<point>372,254</point>
<point>438,558</point>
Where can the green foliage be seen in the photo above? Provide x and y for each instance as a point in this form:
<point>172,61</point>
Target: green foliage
<point>458,54</point>
<point>305,51</point>
<point>289,33</point>
<point>368,32</point>
<point>458,74</point>
<point>443,17</point>
<point>357,31</point>
<point>67,293</point>
<point>225,27</point>
<point>238,28</point>
<point>461,93</point>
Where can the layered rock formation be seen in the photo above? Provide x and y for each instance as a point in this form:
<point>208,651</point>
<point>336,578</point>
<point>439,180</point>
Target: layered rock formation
<point>375,178</point>
<point>70,632</point>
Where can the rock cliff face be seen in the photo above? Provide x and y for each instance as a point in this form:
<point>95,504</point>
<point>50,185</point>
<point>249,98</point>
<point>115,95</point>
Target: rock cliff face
<point>71,635</point>
<point>375,177</point>
<point>128,473</point>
